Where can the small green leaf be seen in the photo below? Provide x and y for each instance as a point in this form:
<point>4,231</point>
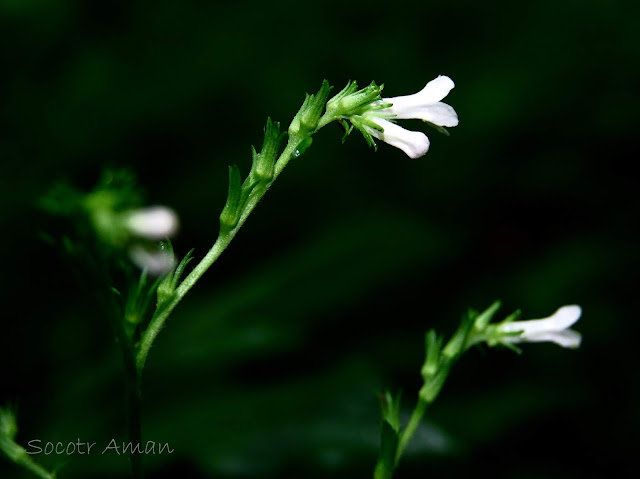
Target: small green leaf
<point>302,147</point>
<point>230,213</point>
<point>389,435</point>
<point>347,129</point>
<point>484,318</point>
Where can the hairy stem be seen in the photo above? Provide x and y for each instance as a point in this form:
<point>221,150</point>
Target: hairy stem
<point>410,430</point>
<point>161,315</point>
<point>224,238</point>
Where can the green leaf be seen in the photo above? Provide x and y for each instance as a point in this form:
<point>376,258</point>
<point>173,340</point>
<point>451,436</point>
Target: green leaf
<point>302,147</point>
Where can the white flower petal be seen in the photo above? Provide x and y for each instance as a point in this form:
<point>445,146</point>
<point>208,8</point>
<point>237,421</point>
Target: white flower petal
<point>437,113</point>
<point>436,89</point>
<point>156,262</point>
<point>558,321</point>
<point>154,223</point>
<point>414,143</point>
<point>567,338</point>
<point>433,92</point>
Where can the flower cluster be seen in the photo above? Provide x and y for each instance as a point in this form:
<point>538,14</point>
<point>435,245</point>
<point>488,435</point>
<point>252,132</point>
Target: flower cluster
<point>424,105</point>
<point>508,332</point>
<point>375,117</point>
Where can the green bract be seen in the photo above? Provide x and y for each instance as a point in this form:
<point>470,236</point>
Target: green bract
<point>306,121</point>
<point>350,101</point>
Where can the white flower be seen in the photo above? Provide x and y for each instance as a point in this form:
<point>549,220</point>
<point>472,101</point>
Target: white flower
<point>554,328</point>
<point>154,222</point>
<point>155,261</point>
<point>424,105</point>
<point>414,143</point>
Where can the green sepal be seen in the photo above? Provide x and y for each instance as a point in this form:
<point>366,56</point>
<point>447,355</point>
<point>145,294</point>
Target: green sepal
<point>263,163</point>
<point>249,184</point>
<point>512,317</point>
<point>349,89</point>
<point>483,319</point>
<point>347,129</point>
<point>361,123</point>
<point>460,339</point>
<point>433,352</point>
<point>351,101</point>
<point>231,211</point>
<point>139,297</point>
<point>167,287</point>
<point>390,409</point>
<point>177,274</point>
<point>433,384</point>
<point>306,120</point>
<point>493,335</point>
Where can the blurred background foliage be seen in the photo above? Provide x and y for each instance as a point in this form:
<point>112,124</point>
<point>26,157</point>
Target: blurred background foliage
<point>270,367</point>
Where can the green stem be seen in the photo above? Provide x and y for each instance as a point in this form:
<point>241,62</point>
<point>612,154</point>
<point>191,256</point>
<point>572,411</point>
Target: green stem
<point>382,472</point>
<point>224,238</point>
<point>325,120</point>
<point>132,379</point>
<point>161,315</point>
<point>134,400</point>
<point>134,397</point>
<point>35,468</point>
<point>410,430</point>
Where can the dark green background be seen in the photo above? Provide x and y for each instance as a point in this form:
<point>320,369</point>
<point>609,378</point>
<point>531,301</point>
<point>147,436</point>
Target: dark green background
<point>270,366</point>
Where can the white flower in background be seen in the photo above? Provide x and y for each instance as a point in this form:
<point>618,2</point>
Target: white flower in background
<point>424,105</point>
<point>555,328</point>
<point>146,225</point>
<point>153,223</point>
<point>155,261</point>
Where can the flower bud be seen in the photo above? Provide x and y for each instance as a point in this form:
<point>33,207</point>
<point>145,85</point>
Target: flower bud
<point>231,212</point>
<point>306,120</point>
<point>264,162</point>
